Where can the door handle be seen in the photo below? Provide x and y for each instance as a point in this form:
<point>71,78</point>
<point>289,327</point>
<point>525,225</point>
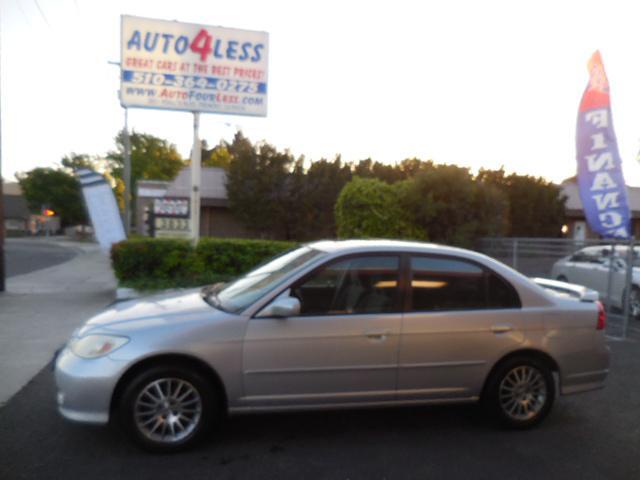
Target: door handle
<point>379,335</point>
<point>501,328</point>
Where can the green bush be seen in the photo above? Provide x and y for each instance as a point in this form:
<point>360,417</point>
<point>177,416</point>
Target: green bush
<point>153,263</point>
<point>370,208</point>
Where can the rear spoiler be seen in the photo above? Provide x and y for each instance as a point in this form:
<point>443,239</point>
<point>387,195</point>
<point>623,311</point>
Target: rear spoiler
<point>584,294</point>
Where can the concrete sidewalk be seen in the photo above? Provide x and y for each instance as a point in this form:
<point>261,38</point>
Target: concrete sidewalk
<point>40,309</point>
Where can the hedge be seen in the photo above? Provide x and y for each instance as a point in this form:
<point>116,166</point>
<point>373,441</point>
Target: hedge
<point>154,263</point>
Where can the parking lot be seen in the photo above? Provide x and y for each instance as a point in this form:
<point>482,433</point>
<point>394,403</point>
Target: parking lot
<point>595,435</point>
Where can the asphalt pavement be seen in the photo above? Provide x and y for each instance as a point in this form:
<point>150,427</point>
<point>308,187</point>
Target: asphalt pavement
<point>41,308</point>
<point>24,255</point>
<point>590,436</point>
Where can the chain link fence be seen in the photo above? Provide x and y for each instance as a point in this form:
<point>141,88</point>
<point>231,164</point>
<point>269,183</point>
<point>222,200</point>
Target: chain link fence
<point>604,266</point>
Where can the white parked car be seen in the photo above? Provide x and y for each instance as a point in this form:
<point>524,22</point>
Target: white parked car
<point>591,267</point>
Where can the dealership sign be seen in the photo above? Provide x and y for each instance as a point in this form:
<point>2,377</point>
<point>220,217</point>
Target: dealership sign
<point>197,68</point>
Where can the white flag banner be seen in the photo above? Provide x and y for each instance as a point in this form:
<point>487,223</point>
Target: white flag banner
<point>102,207</point>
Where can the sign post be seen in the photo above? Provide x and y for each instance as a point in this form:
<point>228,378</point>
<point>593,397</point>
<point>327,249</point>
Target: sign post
<point>127,174</point>
<point>196,167</point>
<point>194,68</point>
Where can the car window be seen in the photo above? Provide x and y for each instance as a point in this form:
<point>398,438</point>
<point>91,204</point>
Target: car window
<point>591,255</point>
<point>501,293</point>
<point>247,289</point>
<point>455,284</point>
<point>356,285</point>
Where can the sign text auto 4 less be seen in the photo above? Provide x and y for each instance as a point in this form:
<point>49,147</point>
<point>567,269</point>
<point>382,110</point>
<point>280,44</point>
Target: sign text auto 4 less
<point>190,67</point>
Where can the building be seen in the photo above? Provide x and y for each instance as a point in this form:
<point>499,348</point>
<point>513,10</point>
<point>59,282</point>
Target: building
<point>16,210</point>
<point>577,227</point>
<point>216,219</point>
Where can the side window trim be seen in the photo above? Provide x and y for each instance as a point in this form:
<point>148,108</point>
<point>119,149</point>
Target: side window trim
<point>408,288</point>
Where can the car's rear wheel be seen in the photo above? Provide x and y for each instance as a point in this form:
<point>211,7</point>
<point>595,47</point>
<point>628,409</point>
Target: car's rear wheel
<point>168,408</point>
<point>520,392</point>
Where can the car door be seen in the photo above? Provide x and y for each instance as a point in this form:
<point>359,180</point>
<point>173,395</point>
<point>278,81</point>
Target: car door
<point>460,319</point>
<point>589,271</point>
<point>343,346</point>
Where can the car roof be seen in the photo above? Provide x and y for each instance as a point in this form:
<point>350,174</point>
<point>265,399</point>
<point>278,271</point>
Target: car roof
<point>372,245</point>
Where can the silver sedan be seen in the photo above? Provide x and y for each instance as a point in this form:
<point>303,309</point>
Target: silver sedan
<point>334,325</point>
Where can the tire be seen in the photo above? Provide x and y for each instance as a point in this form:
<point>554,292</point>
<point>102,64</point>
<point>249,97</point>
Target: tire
<point>168,408</point>
<point>516,402</point>
<point>562,278</point>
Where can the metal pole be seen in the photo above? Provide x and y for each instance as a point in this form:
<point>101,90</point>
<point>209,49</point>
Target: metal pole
<point>610,281</point>
<point>195,180</point>
<point>628,288</point>
<point>127,174</point>
<point>2,269</point>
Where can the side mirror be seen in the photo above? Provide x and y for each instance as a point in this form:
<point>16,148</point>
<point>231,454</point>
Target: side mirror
<point>281,307</point>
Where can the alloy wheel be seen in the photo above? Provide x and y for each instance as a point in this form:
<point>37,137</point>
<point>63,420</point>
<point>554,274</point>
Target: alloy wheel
<point>168,410</point>
<point>522,393</point>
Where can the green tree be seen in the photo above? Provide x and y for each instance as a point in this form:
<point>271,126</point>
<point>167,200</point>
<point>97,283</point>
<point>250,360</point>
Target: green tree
<point>371,208</point>
<point>152,158</point>
<point>75,161</point>
<point>259,188</point>
<point>218,156</point>
<point>56,189</point>
<point>369,169</point>
<point>441,199</point>
<point>536,208</point>
<point>320,187</point>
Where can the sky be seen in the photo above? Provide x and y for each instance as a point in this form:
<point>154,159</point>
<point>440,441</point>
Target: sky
<point>477,84</point>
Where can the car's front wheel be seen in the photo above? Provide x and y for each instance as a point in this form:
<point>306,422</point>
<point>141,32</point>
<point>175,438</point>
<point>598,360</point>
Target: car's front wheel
<point>168,408</point>
<point>520,392</point>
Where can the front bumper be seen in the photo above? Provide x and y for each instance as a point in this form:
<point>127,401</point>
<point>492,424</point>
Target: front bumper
<point>85,386</point>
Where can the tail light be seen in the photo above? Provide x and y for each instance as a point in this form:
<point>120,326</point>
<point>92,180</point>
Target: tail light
<point>602,317</point>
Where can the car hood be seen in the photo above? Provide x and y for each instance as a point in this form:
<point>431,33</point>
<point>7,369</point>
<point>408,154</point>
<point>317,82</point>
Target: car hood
<point>166,308</point>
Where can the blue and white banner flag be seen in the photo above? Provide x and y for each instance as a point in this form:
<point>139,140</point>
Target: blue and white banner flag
<point>602,188</point>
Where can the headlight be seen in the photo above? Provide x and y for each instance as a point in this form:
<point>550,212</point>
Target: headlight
<point>94,346</point>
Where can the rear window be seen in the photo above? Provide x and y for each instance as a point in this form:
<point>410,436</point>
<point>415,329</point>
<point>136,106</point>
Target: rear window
<point>444,283</point>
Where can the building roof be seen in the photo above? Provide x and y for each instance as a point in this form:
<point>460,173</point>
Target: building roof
<point>574,203</point>
<point>213,189</point>
<point>152,188</point>
<point>11,188</point>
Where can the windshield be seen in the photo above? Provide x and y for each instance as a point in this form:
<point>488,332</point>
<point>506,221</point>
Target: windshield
<point>241,293</point>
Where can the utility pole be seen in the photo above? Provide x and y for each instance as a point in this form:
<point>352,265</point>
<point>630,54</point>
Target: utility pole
<point>2,269</point>
<point>127,165</point>
<point>127,175</point>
